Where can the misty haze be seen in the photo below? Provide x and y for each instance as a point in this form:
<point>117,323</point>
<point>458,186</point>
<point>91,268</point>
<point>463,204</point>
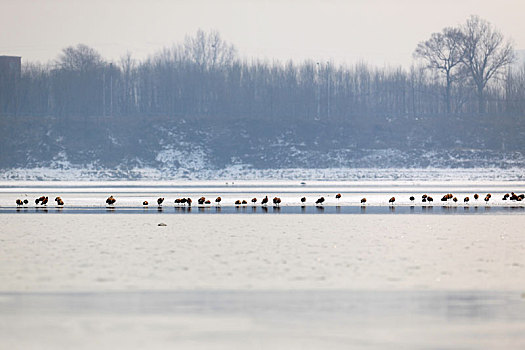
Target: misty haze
<point>196,110</point>
<point>262,174</point>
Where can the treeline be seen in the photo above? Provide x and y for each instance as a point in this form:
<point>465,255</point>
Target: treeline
<point>204,78</point>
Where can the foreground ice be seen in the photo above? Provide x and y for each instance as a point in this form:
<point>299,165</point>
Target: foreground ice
<point>268,282</point>
<point>102,252</point>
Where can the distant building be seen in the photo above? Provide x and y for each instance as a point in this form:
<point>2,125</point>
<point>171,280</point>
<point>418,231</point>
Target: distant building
<point>10,72</point>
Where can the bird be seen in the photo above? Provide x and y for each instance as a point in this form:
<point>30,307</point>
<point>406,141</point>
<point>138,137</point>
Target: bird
<point>430,199</point>
<point>218,200</point>
<point>303,200</point>
<point>424,200</point>
<point>19,202</point>
<point>201,200</point>
<point>446,197</point>
<point>111,200</point>
<point>466,199</point>
<point>244,201</point>
<point>506,196</point>
<point>476,196</point>
<point>277,201</point>
<point>455,199</point>
<point>45,200</point>
<point>59,201</point>
<point>320,201</point>
<point>338,196</point>
<point>392,200</point>
<point>26,201</point>
<point>207,202</point>
<point>254,200</point>
<point>424,196</point>
<point>159,201</point>
<point>264,201</point>
<point>363,200</point>
<point>238,202</point>
<point>188,200</point>
<point>487,198</point>
<point>145,203</point>
<point>412,198</point>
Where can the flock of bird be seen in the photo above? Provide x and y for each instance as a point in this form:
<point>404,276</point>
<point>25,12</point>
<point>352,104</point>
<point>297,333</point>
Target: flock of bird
<point>202,201</point>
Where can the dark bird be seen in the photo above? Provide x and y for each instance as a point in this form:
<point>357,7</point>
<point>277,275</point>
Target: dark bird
<point>277,201</point>
<point>466,199</point>
<point>59,201</point>
<point>320,201</point>
<point>363,200</point>
<point>424,200</point>
<point>160,200</point>
<point>40,200</point>
<point>424,196</point>
<point>455,199</point>
<point>26,201</point>
<point>264,201</point>
<point>254,200</point>
<point>207,202</point>
<point>44,202</point>
<point>111,200</point>
<point>189,201</point>
<point>183,201</point>
<point>244,201</point>
<point>392,200</point>
<point>338,196</point>
<point>218,200</point>
<point>506,196</point>
<point>487,198</point>
<point>430,199</point>
<point>303,200</point>
<point>201,200</point>
<point>476,196</point>
<point>237,202</point>
<point>412,198</point>
<point>145,203</point>
<point>177,201</point>
<point>19,202</point>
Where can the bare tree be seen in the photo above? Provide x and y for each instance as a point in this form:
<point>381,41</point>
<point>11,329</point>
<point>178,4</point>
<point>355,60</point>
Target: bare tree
<point>79,58</point>
<point>486,54</point>
<point>443,52</point>
<point>78,81</point>
<point>208,50</point>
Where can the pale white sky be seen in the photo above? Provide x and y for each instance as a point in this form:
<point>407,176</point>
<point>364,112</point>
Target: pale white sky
<point>382,32</point>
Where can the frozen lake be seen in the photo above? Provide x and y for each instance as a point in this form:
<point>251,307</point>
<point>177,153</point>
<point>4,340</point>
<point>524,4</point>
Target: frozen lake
<point>115,279</point>
<point>263,320</point>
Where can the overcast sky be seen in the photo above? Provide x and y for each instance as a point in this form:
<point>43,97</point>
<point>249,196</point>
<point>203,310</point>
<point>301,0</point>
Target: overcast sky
<point>382,32</point>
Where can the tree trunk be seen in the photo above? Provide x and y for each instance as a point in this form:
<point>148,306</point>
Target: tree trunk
<point>481,105</point>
